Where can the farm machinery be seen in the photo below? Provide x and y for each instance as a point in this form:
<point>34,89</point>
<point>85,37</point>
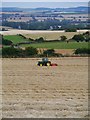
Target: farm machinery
<point>46,62</point>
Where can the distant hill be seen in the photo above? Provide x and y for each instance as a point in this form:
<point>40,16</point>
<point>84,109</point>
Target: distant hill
<point>11,9</point>
<point>81,9</point>
<point>42,8</point>
<point>77,9</point>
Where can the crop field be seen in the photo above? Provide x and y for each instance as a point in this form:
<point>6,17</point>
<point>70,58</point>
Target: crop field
<point>47,35</point>
<point>30,91</point>
<point>52,35</point>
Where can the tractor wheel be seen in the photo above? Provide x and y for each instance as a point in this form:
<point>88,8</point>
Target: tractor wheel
<point>40,64</point>
<point>48,64</point>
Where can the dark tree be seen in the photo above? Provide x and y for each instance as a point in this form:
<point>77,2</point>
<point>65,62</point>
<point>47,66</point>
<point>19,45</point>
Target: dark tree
<point>10,52</point>
<point>6,42</point>
<point>63,38</point>
<point>78,38</point>
<point>41,39</point>
<point>30,51</point>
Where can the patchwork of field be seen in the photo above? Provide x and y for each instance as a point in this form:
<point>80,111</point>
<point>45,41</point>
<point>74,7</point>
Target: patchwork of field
<point>45,92</point>
<point>50,45</point>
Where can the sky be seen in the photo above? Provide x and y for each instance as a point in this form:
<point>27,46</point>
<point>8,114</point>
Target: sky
<point>44,0</point>
<point>49,4</point>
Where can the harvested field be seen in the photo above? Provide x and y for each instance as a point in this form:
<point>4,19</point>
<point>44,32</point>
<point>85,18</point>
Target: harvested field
<point>46,34</point>
<point>52,35</point>
<point>47,92</point>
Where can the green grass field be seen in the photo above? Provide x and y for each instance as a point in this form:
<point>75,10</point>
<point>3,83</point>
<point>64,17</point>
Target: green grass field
<point>15,38</point>
<point>54,45</point>
<point>59,45</point>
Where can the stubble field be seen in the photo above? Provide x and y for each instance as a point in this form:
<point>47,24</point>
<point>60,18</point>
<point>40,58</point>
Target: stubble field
<point>30,91</point>
<point>46,34</point>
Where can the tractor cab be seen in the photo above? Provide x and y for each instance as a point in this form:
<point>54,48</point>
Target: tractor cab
<point>44,59</point>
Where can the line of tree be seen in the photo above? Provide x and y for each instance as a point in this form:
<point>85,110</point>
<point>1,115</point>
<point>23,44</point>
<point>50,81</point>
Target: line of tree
<point>47,24</point>
<point>71,30</point>
<point>82,51</point>
<point>28,52</point>
<point>17,52</point>
<point>50,53</point>
<point>82,37</point>
<point>10,52</point>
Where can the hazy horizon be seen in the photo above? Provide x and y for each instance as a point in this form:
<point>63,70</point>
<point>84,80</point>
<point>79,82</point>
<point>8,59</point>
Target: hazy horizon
<point>44,4</point>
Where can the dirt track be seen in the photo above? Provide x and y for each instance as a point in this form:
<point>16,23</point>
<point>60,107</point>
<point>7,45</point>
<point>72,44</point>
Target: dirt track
<point>33,91</point>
